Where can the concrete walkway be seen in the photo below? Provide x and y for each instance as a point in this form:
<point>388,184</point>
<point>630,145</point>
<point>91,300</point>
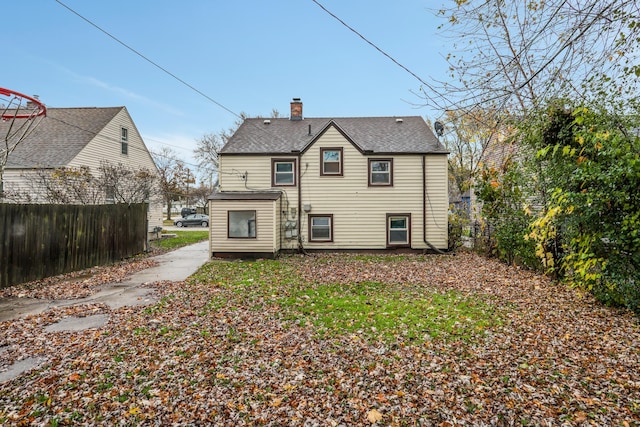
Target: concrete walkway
<point>174,266</point>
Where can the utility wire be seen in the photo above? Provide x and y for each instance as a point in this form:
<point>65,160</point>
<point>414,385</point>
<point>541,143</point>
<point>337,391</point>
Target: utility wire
<point>150,61</point>
<point>395,61</point>
<point>155,64</point>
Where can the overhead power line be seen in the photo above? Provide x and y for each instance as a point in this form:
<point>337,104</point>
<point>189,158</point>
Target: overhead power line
<point>150,61</point>
<point>395,61</point>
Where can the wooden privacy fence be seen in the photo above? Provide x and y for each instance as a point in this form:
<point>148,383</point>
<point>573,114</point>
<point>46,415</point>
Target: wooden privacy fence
<point>38,241</point>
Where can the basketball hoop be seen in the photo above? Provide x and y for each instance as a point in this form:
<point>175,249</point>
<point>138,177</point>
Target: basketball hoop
<point>20,115</point>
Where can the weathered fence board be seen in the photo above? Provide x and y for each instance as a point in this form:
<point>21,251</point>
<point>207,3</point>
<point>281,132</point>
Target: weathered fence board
<point>38,241</point>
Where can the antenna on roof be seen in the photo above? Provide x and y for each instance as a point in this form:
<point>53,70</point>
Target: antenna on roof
<point>439,127</point>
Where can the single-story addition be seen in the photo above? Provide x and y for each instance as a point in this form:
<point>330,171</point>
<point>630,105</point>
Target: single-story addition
<point>330,184</point>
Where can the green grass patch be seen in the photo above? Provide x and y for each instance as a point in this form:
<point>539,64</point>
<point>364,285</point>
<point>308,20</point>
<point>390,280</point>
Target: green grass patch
<point>182,238</point>
<point>377,311</point>
<point>374,311</point>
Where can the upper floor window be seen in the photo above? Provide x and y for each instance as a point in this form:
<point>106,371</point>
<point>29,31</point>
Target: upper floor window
<point>283,172</point>
<point>124,140</point>
<point>331,161</point>
<point>380,172</point>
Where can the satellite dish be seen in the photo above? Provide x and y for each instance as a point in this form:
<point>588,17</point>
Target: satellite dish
<point>439,127</point>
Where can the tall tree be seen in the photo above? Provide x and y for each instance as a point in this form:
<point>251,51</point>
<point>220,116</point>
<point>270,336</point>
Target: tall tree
<point>515,55</point>
<point>467,135</point>
<point>210,144</point>
<point>172,175</point>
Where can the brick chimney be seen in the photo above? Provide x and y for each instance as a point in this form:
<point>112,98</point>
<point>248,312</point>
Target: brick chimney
<point>296,109</point>
<point>32,105</point>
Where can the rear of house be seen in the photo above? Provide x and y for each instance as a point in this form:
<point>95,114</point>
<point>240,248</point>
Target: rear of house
<point>364,184</point>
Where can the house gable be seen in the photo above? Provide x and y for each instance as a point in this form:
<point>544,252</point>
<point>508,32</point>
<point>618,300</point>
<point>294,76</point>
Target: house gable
<point>106,145</point>
<point>332,124</point>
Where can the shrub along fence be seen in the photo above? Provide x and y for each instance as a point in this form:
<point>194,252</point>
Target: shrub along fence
<point>38,241</point>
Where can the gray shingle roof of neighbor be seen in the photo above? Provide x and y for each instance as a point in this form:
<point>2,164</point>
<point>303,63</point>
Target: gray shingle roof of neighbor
<point>60,136</point>
<point>375,135</point>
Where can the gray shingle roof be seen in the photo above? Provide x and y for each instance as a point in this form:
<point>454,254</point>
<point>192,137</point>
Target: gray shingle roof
<point>60,136</point>
<point>383,135</point>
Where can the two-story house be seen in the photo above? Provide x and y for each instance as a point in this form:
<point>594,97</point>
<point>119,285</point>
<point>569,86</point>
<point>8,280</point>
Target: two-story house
<point>352,183</point>
<point>79,137</point>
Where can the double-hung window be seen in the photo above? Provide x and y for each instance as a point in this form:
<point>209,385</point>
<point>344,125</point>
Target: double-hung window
<point>380,172</point>
<point>321,228</point>
<point>124,140</point>
<point>398,229</point>
<point>241,224</point>
<point>331,161</point>
<point>283,172</point>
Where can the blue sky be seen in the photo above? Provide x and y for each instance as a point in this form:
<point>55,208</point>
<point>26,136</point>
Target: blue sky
<point>250,56</point>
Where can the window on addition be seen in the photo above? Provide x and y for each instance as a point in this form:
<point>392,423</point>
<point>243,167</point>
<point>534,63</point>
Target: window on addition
<point>241,225</point>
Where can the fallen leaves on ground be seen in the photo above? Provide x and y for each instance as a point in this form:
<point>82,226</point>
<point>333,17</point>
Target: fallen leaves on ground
<point>78,284</point>
<point>206,355</point>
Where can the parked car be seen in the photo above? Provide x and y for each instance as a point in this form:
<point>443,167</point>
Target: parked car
<point>187,211</point>
<point>193,219</point>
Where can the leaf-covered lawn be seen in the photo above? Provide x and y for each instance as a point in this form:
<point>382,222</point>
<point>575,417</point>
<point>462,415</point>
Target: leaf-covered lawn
<point>333,340</point>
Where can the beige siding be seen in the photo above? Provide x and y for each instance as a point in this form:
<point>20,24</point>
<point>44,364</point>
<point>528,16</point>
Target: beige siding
<point>267,222</point>
<point>437,200</point>
<point>359,211</point>
<point>253,173</point>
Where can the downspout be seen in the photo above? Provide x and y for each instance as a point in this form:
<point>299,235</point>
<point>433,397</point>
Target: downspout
<point>280,230</point>
<point>424,208</point>
<point>300,246</point>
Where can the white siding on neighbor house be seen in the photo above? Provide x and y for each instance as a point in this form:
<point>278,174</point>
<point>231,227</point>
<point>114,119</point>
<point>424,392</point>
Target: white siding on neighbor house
<point>267,221</point>
<point>359,211</point>
<point>21,181</point>
<point>106,146</point>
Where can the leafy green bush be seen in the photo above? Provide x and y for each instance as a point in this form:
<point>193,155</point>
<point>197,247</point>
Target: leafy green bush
<point>592,162</point>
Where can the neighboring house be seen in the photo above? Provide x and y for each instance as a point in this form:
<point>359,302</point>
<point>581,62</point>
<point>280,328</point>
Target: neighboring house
<point>363,183</point>
<point>78,137</point>
<point>500,149</point>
